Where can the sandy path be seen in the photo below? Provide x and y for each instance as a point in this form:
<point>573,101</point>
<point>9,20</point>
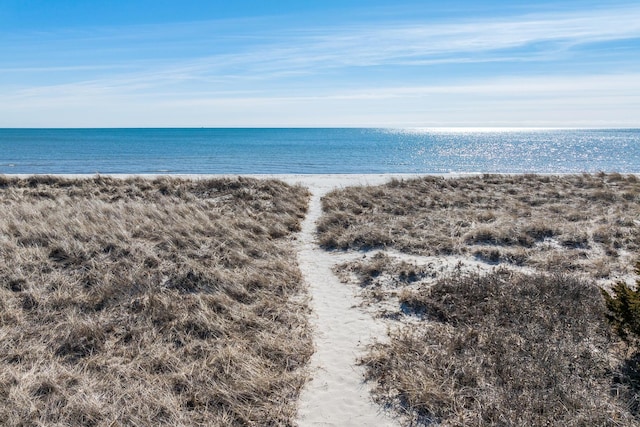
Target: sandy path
<point>336,395</point>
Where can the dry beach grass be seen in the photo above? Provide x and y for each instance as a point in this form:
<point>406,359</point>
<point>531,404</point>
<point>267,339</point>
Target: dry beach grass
<point>179,302</point>
<point>581,223</point>
<point>522,340</point>
<point>150,302</point>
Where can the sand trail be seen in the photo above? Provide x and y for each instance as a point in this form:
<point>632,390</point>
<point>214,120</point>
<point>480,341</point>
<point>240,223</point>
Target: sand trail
<point>336,395</point>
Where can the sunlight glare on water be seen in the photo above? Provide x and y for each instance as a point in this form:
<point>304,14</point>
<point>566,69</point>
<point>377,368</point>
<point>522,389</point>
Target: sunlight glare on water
<point>521,150</point>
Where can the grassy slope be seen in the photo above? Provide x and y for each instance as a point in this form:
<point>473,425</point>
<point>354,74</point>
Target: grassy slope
<point>136,302</point>
<point>525,220</point>
<point>502,348</point>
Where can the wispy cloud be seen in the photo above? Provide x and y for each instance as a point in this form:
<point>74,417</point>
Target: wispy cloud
<point>190,67</point>
<point>404,42</point>
<point>606,100</point>
<point>524,38</point>
<point>313,50</point>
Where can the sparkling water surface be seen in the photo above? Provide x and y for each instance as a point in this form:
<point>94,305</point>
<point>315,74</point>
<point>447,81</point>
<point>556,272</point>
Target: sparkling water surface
<point>317,151</point>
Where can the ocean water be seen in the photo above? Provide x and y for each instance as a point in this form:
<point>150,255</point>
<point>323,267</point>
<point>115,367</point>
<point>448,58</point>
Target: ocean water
<point>317,151</point>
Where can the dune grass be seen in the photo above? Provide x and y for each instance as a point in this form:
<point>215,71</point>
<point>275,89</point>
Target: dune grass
<point>502,349</point>
<point>581,223</point>
<point>523,341</point>
<point>150,302</point>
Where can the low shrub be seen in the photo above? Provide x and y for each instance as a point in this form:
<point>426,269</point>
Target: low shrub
<point>623,304</point>
<point>500,349</point>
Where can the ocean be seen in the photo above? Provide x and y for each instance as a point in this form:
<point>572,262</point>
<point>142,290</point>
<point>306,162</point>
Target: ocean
<point>317,151</point>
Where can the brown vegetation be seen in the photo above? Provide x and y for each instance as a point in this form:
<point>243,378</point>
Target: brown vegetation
<point>502,349</point>
<point>150,302</point>
<point>581,223</point>
<point>521,341</point>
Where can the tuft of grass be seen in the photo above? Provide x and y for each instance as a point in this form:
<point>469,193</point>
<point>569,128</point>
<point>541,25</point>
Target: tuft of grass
<point>150,302</point>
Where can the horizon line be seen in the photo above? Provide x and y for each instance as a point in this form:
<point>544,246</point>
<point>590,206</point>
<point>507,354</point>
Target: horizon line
<point>415,128</point>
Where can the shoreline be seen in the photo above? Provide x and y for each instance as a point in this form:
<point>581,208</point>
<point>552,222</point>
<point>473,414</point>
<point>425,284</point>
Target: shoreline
<point>315,182</point>
<point>318,181</point>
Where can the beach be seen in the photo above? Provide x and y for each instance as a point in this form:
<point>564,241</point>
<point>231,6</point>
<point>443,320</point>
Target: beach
<point>366,213</point>
<point>351,286</point>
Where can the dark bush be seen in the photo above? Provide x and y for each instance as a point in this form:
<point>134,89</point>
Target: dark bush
<point>624,309</point>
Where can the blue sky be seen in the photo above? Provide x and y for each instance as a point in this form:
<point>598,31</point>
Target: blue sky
<point>167,63</point>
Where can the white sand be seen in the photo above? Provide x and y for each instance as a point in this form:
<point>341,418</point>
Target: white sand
<point>336,395</point>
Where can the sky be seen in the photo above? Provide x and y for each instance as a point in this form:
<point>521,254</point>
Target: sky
<point>324,63</point>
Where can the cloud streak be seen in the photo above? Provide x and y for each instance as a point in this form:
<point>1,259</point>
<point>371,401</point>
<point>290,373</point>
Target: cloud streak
<point>598,100</point>
<point>538,38</point>
<point>403,44</point>
<point>324,67</point>
<point>418,41</point>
